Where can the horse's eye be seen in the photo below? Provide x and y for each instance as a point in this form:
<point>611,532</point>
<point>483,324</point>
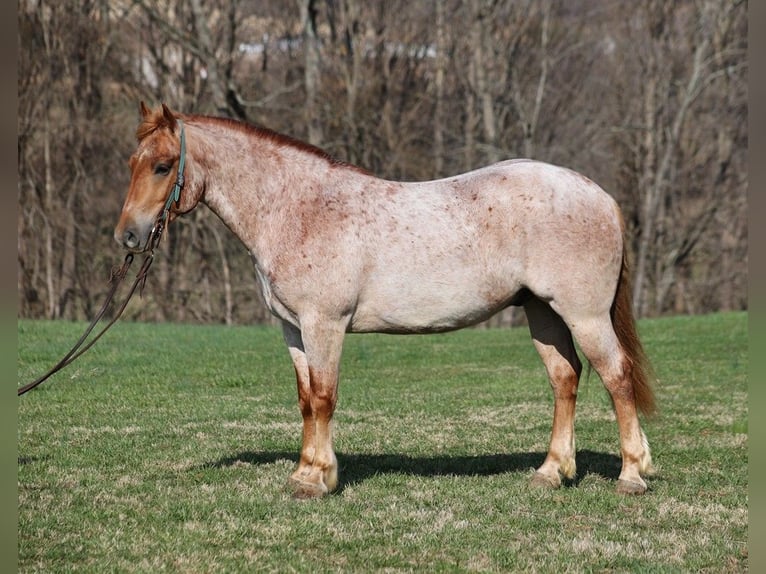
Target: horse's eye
<point>162,169</point>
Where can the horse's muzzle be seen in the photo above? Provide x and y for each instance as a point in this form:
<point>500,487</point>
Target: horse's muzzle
<point>129,239</point>
<point>132,237</point>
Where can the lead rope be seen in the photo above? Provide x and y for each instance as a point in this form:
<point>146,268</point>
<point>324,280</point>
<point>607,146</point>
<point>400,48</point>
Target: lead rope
<point>115,279</point>
<point>118,274</point>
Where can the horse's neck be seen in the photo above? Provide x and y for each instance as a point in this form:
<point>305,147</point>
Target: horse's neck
<point>251,182</point>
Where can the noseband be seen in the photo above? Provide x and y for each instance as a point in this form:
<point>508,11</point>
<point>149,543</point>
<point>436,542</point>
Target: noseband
<point>118,274</point>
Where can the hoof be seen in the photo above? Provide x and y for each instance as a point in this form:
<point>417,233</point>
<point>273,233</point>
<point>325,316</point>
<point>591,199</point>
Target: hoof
<point>540,480</point>
<point>306,490</point>
<point>630,487</point>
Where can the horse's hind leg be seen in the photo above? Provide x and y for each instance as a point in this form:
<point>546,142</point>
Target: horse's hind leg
<point>553,342</point>
<point>601,346</point>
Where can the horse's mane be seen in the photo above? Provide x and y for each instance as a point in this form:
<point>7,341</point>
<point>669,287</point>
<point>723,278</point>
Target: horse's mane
<point>157,120</point>
<point>280,139</point>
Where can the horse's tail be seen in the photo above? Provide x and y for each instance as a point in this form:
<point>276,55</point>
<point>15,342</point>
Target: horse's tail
<point>624,323</point>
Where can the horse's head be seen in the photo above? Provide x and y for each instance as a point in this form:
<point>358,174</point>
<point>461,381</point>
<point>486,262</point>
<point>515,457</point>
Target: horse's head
<point>154,168</point>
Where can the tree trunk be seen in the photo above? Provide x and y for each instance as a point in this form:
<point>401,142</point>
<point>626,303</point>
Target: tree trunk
<point>441,65</point>
<point>654,193</point>
<point>210,61</point>
<point>530,128</point>
<point>482,86</point>
<point>354,52</point>
<point>49,209</point>
<point>226,271</point>
<point>311,71</point>
<point>68,261</point>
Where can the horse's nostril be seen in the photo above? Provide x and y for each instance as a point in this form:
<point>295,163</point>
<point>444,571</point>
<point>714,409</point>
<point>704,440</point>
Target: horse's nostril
<point>130,239</point>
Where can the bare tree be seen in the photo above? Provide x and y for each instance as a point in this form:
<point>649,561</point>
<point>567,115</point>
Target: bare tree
<point>63,95</point>
<point>648,98</point>
<point>670,93</point>
<point>439,88</point>
<point>308,11</point>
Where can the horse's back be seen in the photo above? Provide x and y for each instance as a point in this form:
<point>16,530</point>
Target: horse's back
<point>451,252</point>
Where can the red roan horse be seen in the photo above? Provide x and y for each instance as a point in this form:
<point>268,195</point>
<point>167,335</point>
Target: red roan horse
<point>339,250</point>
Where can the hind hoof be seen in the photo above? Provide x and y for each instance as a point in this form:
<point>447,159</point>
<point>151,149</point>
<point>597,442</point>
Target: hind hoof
<point>630,487</point>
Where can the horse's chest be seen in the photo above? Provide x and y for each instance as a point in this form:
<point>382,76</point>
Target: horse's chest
<point>274,303</point>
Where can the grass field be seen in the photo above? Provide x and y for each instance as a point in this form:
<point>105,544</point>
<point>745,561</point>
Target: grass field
<point>167,448</point>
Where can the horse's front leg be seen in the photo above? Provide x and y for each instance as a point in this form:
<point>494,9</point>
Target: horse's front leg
<point>295,346</point>
<point>316,360</point>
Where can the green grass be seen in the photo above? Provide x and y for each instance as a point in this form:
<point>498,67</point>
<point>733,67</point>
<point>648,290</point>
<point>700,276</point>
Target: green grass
<point>167,448</point>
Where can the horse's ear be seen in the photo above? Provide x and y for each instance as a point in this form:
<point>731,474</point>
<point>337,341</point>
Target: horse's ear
<point>144,110</point>
<point>170,118</point>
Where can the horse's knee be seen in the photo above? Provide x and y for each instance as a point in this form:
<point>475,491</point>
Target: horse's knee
<point>324,387</point>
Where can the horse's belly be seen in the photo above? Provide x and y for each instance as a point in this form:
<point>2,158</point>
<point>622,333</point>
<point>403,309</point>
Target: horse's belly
<point>424,308</point>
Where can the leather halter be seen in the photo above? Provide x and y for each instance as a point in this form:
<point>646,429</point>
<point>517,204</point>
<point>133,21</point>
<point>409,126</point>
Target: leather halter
<point>173,197</point>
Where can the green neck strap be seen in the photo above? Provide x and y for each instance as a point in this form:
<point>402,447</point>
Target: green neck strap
<point>175,193</point>
<point>173,197</point>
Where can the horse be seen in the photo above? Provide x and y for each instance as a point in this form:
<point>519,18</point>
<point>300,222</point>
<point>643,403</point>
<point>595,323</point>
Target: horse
<point>338,250</point>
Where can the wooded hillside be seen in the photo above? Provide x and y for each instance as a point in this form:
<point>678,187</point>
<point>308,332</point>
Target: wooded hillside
<point>646,97</point>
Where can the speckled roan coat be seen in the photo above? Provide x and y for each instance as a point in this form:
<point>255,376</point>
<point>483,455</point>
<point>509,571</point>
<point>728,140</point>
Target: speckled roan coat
<point>339,250</point>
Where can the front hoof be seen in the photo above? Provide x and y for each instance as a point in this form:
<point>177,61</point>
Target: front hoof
<point>303,490</point>
<point>540,480</point>
<point>630,487</point>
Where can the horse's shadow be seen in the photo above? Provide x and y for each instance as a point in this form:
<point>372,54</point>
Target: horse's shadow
<point>356,468</point>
